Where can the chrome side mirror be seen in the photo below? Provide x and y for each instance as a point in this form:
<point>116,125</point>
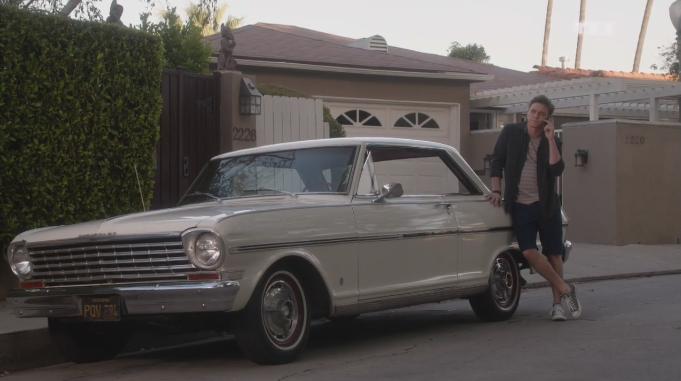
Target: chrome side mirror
<point>390,190</point>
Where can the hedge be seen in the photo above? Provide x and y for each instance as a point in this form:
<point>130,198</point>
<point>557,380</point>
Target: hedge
<point>80,104</point>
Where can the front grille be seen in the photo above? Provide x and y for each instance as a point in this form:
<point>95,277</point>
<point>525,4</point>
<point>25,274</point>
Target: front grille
<point>107,262</point>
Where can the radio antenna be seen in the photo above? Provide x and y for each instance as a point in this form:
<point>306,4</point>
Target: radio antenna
<point>139,187</point>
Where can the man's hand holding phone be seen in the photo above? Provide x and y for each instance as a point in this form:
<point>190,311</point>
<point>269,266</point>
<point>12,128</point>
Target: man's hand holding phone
<point>549,129</point>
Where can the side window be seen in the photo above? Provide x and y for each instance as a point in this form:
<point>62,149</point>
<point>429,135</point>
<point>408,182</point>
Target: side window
<point>420,171</point>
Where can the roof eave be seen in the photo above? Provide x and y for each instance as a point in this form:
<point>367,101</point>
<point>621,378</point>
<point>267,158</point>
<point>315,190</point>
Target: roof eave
<point>473,77</point>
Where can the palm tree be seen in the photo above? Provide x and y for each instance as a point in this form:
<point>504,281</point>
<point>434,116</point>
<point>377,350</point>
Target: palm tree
<point>580,35</point>
<point>642,35</point>
<point>200,17</point>
<point>547,32</point>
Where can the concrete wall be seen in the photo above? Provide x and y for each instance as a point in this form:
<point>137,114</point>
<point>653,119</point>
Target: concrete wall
<point>630,190</point>
<point>236,131</point>
<point>373,87</point>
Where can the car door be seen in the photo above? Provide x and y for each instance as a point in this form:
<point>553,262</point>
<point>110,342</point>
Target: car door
<point>410,245</point>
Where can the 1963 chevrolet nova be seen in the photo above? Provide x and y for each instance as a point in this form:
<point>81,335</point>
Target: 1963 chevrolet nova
<point>272,237</point>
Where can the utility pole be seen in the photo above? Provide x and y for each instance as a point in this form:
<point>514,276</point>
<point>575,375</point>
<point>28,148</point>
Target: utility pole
<point>642,35</point>
<point>580,35</point>
<point>547,32</point>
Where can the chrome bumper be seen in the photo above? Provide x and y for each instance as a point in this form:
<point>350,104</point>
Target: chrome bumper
<point>162,298</point>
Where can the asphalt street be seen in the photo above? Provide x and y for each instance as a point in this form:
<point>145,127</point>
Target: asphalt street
<point>630,330</point>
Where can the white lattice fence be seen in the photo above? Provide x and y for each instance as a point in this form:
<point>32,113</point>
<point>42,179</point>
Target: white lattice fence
<point>286,119</point>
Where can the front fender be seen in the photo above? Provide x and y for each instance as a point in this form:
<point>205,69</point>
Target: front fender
<point>256,265</point>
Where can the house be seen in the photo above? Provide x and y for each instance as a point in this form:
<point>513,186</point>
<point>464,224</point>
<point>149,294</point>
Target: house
<point>370,87</point>
<point>374,89</point>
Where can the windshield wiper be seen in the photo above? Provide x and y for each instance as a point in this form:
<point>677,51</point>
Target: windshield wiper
<point>259,190</point>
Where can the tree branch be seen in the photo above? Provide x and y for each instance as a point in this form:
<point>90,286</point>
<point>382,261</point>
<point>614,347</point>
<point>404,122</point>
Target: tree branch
<point>69,7</point>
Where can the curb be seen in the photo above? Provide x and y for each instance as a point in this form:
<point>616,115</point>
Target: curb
<point>27,349</point>
<point>600,278</point>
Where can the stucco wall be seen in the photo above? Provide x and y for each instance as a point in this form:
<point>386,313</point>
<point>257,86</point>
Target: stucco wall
<point>630,190</point>
<point>373,87</point>
<point>589,193</point>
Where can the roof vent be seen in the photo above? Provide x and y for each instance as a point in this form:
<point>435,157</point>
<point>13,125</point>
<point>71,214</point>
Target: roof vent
<point>374,42</point>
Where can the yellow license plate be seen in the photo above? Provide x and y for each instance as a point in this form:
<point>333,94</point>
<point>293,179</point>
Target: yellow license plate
<point>101,308</point>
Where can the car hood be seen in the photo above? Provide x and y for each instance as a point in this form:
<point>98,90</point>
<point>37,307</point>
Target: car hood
<point>165,221</point>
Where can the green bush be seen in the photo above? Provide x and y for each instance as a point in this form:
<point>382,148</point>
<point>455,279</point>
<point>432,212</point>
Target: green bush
<point>80,104</point>
<point>182,42</point>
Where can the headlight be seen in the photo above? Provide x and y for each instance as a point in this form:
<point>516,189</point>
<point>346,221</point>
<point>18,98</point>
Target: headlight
<point>206,251</point>
<point>19,261</point>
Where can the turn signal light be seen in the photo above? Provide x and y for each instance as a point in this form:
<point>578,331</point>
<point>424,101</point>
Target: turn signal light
<point>32,284</point>
<point>204,276</point>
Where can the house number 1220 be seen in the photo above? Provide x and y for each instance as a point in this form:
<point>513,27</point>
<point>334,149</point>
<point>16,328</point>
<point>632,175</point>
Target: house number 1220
<point>634,139</point>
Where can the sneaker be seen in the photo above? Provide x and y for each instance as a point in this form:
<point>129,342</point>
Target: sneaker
<point>557,313</point>
<point>571,303</point>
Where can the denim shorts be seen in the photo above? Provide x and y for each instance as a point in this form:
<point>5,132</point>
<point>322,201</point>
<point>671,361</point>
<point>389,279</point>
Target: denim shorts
<point>527,222</point>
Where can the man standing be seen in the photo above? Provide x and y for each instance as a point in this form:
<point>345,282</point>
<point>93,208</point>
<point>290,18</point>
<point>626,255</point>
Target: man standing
<point>528,156</point>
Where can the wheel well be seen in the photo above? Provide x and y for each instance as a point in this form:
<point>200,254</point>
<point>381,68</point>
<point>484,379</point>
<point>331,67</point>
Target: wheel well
<point>313,284</point>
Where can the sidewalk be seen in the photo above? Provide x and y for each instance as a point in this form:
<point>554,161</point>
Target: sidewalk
<point>24,343</point>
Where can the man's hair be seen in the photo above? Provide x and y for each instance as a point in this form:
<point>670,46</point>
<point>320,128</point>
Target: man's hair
<point>543,100</point>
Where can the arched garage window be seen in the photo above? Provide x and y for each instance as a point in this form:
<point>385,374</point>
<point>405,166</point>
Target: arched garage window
<point>416,119</point>
<point>358,118</point>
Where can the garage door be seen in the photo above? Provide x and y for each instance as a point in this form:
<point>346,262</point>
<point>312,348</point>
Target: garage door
<point>435,122</point>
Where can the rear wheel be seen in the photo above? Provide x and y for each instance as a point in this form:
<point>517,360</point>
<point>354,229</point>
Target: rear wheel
<point>83,342</point>
<point>274,326</point>
<point>501,298</point>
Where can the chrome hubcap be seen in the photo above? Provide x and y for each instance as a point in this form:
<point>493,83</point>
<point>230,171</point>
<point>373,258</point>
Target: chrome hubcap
<point>503,283</point>
<point>281,311</point>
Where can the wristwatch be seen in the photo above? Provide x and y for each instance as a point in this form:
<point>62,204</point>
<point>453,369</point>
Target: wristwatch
<point>497,192</point>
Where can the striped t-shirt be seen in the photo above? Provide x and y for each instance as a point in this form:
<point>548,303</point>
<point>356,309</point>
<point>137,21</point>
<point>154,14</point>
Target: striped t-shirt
<point>527,189</point>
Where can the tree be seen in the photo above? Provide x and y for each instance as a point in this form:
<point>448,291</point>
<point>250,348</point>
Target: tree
<point>670,61</point>
<point>642,35</point>
<point>84,9</point>
<point>182,42</point>
<point>472,52</point>
<point>547,33</point>
<point>201,18</point>
<point>87,9</point>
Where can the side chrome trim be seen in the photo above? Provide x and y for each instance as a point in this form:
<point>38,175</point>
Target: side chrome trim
<point>341,240</point>
<point>408,299</point>
<point>143,299</point>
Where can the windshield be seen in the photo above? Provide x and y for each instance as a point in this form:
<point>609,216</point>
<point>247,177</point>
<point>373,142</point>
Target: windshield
<point>312,170</point>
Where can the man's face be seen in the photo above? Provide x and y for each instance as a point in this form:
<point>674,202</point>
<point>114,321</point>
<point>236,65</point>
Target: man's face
<point>536,115</point>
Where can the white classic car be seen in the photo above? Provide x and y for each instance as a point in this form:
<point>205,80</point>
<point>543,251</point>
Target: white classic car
<point>271,237</point>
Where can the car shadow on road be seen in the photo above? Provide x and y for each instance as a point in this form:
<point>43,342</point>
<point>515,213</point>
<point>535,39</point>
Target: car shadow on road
<point>432,320</point>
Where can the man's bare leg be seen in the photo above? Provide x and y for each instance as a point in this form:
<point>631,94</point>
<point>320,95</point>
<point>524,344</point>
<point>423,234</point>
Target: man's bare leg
<point>557,264</point>
<point>545,269</point>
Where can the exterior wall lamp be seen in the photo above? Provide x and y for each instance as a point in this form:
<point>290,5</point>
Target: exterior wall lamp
<point>581,158</point>
<point>250,99</point>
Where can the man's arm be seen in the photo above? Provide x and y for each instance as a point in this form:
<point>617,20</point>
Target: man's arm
<point>497,167</point>
<point>556,164</point>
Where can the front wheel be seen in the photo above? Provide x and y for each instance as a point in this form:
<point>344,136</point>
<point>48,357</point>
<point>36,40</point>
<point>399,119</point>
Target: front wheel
<point>274,326</point>
<point>501,298</point>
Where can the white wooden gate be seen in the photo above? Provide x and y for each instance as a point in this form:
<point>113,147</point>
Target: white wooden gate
<point>286,119</point>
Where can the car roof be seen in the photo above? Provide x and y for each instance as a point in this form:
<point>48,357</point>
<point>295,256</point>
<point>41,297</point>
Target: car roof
<point>335,142</point>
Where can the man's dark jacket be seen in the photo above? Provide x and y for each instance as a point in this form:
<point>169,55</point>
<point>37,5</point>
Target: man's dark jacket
<point>510,154</point>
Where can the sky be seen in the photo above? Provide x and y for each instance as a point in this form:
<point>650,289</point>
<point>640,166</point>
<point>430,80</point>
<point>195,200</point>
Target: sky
<point>512,31</point>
